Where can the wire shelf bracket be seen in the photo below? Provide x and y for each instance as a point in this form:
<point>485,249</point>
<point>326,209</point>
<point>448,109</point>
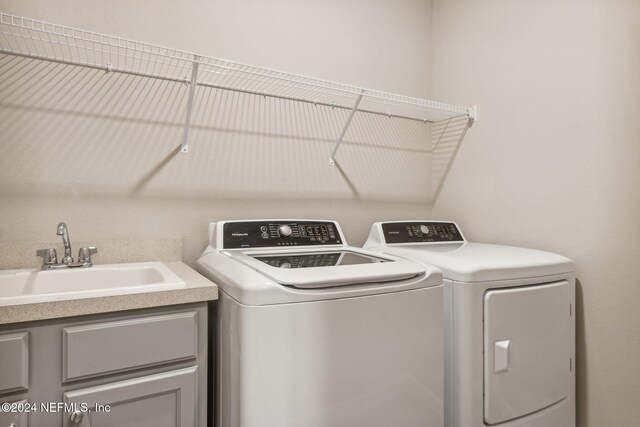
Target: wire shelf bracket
<point>455,151</point>
<point>184,147</point>
<point>472,112</point>
<point>332,159</point>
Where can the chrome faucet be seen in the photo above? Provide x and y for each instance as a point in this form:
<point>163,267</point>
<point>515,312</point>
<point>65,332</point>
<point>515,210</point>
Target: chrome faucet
<point>62,231</point>
<point>50,259</point>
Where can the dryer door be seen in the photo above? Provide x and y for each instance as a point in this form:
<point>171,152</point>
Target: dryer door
<point>527,344</point>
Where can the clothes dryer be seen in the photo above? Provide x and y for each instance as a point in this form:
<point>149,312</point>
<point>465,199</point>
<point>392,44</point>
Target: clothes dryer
<point>509,325</point>
<point>313,332</point>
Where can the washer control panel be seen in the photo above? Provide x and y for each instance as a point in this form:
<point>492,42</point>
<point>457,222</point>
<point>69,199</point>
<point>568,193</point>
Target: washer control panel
<point>262,234</point>
<point>421,232</point>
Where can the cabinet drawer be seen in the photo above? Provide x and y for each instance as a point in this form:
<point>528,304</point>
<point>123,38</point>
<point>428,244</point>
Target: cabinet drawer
<point>110,347</point>
<point>14,362</point>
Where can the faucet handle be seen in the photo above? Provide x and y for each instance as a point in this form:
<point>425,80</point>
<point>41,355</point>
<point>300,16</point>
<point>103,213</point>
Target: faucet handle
<point>49,256</point>
<point>84,255</point>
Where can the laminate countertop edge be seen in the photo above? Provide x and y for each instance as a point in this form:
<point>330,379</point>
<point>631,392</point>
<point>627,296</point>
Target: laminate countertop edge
<point>197,289</point>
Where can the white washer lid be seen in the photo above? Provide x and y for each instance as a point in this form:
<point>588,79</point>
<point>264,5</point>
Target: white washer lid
<point>481,262</point>
<point>388,269</point>
<point>249,286</point>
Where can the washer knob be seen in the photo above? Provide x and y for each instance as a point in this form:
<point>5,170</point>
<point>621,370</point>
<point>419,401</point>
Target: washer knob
<point>285,230</point>
<point>424,229</point>
<point>285,264</point>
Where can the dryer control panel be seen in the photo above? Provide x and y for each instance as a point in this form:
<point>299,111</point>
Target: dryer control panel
<point>263,234</point>
<point>421,232</point>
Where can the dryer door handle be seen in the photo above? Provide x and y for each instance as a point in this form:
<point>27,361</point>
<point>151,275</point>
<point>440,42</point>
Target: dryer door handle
<point>501,356</point>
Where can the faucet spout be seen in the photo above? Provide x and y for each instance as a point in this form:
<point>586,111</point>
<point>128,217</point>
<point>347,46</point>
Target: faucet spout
<point>62,231</point>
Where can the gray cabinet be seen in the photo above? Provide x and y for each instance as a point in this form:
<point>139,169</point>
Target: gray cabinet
<point>164,399</point>
<point>137,368</point>
<point>14,362</point>
<point>107,347</point>
<point>18,419</point>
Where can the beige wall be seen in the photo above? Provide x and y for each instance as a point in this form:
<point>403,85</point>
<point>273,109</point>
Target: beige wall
<point>98,151</point>
<point>554,162</point>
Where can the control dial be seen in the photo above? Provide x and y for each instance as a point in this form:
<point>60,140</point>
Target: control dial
<point>424,229</point>
<point>285,230</point>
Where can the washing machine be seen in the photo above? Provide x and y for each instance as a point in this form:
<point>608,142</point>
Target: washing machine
<point>509,325</point>
<point>313,332</point>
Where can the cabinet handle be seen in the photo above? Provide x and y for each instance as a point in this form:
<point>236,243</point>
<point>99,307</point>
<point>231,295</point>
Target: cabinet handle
<point>76,417</point>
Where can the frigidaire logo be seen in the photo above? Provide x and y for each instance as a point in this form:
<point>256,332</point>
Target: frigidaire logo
<point>239,234</point>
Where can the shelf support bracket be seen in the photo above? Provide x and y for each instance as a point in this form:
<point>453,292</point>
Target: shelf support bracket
<point>332,159</point>
<point>472,112</point>
<point>184,147</point>
<point>435,146</point>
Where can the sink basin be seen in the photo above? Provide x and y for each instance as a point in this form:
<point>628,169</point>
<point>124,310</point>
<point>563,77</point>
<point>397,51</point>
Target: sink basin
<point>28,286</point>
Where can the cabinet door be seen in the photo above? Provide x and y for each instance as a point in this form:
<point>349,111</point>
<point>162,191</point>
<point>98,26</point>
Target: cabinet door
<point>14,418</point>
<point>168,399</point>
<point>14,362</point>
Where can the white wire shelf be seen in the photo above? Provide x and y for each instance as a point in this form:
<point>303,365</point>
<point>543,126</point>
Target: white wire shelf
<point>228,75</point>
<point>29,38</point>
<point>41,40</point>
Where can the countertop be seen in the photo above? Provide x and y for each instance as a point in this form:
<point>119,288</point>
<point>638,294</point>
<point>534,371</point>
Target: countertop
<point>197,289</point>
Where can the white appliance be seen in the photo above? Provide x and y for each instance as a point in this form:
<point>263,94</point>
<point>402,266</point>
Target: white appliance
<point>312,332</point>
<point>509,325</point>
